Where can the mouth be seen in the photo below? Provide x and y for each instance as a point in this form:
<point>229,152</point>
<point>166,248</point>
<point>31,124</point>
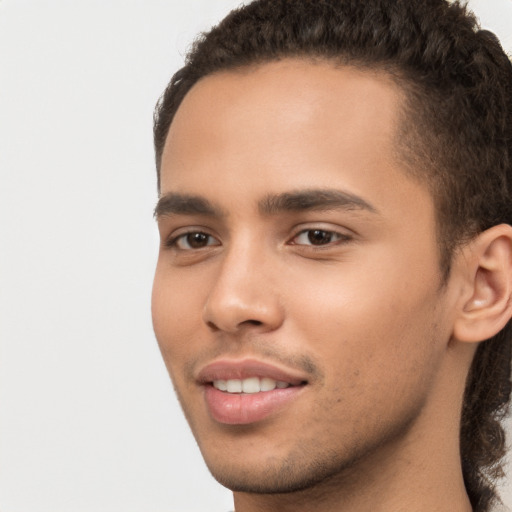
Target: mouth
<point>246,392</point>
<point>250,385</point>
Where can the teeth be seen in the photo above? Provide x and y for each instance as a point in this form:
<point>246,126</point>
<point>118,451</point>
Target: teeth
<point>249,385</point>
<point>234,386</point>
<point>222,385</point>
<point>267,384</point>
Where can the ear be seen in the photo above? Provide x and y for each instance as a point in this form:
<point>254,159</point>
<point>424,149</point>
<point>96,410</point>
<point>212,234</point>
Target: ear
<point>486,304</point>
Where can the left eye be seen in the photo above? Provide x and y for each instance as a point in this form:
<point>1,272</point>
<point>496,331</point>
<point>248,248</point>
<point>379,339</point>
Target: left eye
<point>195,240</point>
<point>318,237</point>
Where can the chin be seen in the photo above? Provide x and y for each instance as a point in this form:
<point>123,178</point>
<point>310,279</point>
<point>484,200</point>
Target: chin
<point>297,472</point>
<point>287,479</point>
<point>307,465</point>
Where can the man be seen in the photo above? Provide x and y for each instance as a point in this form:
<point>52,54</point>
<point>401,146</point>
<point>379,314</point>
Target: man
<point>333,291</point>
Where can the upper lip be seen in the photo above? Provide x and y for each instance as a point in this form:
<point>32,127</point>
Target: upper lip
<point>227,369</point>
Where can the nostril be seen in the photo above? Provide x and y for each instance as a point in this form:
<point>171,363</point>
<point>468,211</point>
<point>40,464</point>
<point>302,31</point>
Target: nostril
<point>216,328</point>
<point>212,326</point>
<point>252,322</point>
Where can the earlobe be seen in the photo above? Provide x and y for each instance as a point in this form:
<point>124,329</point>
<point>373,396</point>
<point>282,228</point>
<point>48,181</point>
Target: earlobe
<point>487,307</point>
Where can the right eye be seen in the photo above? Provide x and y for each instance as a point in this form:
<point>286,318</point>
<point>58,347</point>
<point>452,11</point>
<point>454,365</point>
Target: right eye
<point>319,237</point>
<point>193,240</point>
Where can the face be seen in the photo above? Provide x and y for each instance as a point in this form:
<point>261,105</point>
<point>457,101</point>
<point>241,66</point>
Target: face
<point>297,299</point>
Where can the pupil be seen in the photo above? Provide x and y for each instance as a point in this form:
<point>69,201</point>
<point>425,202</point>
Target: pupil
<point>319,237</point>
<point>197,240</point>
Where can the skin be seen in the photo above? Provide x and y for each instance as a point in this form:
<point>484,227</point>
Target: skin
<point>363,315</point>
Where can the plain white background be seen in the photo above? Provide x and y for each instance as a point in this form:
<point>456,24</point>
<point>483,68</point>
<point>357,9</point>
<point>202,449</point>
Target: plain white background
<point>88,418</point>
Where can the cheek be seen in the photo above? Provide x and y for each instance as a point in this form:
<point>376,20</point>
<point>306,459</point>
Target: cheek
<point>369,322</point>
<point>176,314</point>
<point>379,353</point>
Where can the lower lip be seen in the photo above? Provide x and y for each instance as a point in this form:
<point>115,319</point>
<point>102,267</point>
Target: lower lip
<point>246,408</point>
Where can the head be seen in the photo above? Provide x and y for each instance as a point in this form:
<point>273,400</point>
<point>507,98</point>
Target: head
<point>445,88</point>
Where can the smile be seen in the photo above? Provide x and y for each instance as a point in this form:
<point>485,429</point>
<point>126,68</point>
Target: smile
<point>240,408</point>
<point>247,391</point>
<point>250,385</point>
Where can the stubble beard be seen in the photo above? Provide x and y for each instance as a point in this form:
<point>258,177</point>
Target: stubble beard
<point>314,469</point>
<point>317,467</point>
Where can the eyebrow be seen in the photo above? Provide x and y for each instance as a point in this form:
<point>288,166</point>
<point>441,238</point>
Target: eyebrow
<point>301,200</point>
<point>314,200</point>
<point>185,204</point>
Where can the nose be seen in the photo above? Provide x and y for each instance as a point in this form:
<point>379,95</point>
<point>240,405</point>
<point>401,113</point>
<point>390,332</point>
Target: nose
<point>244,294</point>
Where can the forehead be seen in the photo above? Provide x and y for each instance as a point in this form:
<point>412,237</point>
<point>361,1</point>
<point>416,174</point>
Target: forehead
<point>287,105</point>
<point>287,125</point>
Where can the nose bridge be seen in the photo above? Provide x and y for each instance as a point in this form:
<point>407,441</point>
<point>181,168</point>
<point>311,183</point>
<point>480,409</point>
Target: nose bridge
<point>243,292</point>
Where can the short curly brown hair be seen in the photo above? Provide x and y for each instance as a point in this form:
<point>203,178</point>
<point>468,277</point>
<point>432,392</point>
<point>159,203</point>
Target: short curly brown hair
<point>456,136</point>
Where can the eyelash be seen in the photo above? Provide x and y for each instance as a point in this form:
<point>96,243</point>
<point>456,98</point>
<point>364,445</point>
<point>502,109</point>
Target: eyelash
<point>339,238</point>
<point>175,241</point>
